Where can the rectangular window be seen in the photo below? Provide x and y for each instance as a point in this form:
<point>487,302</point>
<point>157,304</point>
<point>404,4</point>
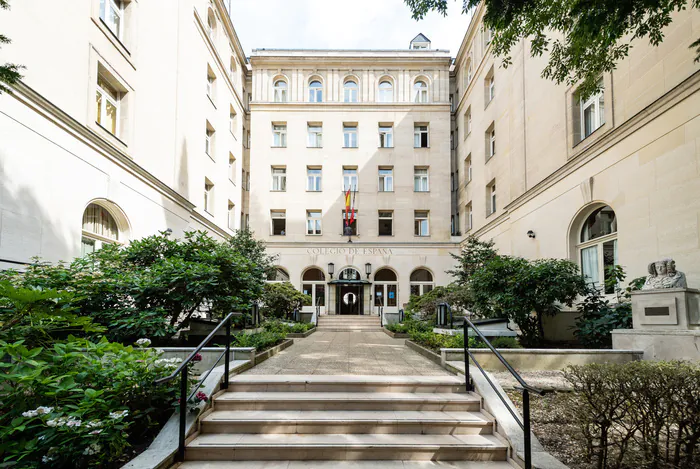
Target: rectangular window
<point>592,112</point>
<point>420,180</point>
<point>468,168</point>
<point>112,13</point>
<point>469,219</point>
<point>349,179</point>
<point>488,36</point>
<point>452,225</point>
<point>452,140</point>
<point>315,139</point>
<point>232,121</point>
<point>232,168</point>
<point>349,221</point>
<point>468,122</point>
<point>211,79</point>
<point>386,135</point>
<point>386,179</point>
<point>313,222</point>
<point>492,198</point>
<point>107,101</point>
<point>279,222</point>
<point>452,181</point>
<point>386,223</point>
<point>490,141</point>
<point>208,196</point>
<point>421,227</point>
<point>279,179</point>
<point>349,136</point>
<point>313,179</point>
<point>231,215</point>
<point>420,136</point>
<point>209,140</point>
<point>247,181</point>
<point>492,88</point>
<point>279,135</point>
<point>457,224</point>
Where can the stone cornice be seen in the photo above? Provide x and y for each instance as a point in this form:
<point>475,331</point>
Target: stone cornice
<point>355,243</point>
<point>373,62</point>
<point>61,119</point>
<point>337,106</point>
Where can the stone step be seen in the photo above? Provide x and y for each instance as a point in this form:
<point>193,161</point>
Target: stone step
<point>347,465</point>
<point>349,329</point>
<point>349,383</point>
<point>303,447</point>
<point>448,402</point>
<point>346,422</point>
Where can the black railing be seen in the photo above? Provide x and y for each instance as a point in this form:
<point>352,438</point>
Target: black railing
<point>318,309</point>
<point>525,388</point>
<point>182,371</point>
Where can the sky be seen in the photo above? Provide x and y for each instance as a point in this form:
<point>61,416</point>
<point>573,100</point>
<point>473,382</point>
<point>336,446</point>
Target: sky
<point>342,24</point>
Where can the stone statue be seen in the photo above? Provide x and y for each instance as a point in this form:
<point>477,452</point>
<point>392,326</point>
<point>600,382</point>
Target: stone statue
<point>663,274</point>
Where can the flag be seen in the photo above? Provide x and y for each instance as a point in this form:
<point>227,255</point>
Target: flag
<point>347,207</point>
<point>352,217</point>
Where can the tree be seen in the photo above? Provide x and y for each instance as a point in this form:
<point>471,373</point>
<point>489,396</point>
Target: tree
<point>473,257</point>
<point>9,73</point>
<point>584,38</point>
<point>280,298</point>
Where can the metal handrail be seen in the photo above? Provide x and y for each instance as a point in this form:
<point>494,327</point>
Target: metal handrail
<point>182,371</point>
<point>525,388</point>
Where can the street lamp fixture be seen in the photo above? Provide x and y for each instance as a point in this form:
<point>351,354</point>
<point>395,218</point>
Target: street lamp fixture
<point>331,269</point>
<point>368,269</point>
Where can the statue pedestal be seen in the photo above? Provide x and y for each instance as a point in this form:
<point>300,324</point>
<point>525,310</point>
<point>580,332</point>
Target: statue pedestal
<point>666,325</point>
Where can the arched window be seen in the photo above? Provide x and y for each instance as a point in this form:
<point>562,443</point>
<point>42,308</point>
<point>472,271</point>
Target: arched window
<point>315,92</point>
<point>349,273</point>
<point>597,246</point>
<point>386,288</point>
<point>386,92</point>
<point>350,91</point>
<point>421,282</point>
<point>280,275</point>
<point>420,91</point>
<point>313,284</point>
<point>99,227</point>
<point>211,24</point>
<point>280,91</point>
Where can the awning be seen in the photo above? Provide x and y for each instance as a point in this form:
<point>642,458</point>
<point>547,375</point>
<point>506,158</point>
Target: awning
<point>350,282</point>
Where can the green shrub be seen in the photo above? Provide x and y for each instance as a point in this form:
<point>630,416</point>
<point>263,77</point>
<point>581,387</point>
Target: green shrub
<point>79,404</point>
<point>260,340</point>
<point>398,328</point>
<point>435,341</point>
<point>287,328</point>
<point>505,342</point>
<point>636,415</point>
<point>425,305</point>
<point>279,299</point>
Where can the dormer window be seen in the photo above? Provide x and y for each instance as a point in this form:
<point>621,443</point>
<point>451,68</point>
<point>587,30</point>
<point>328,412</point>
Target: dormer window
<point>420,42</point>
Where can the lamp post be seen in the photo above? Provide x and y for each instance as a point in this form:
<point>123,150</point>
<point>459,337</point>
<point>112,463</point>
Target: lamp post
<point>368,269</point>
<point>442,314</point>
<point>331,269</point>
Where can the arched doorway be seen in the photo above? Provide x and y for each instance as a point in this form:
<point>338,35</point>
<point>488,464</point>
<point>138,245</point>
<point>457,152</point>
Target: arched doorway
<point>349,292</point>
<point>313,283</point>
<point>386,290</point>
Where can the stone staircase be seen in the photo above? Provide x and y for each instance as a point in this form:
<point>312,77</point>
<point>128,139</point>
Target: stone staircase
<point>346,418</point>
<point>339,323</point>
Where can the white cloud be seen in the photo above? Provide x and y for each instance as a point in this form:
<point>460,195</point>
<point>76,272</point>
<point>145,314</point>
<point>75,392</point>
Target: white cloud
<point>340,24</point>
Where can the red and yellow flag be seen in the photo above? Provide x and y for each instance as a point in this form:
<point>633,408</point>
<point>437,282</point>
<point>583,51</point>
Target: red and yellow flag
<point>348,202</point>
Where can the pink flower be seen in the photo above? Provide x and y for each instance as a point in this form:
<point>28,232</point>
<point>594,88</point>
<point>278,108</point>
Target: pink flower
<point>200,396</point>
<point>197,358</point>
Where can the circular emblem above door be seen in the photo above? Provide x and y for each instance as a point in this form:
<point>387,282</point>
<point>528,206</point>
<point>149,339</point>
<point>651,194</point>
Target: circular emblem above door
<point>350,299</point>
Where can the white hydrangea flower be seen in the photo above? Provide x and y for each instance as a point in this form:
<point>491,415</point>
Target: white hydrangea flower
<point>118,415</point>
<point>94,424</point>
<point>41,410</point>
<point>74,423</point>
<point>92,449</point>
<point>95,432</point>
<point>30,413</point>
<point>143,342</point>
<point>59,422</point>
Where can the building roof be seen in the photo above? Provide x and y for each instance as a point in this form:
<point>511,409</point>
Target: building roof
<point>420,38</point>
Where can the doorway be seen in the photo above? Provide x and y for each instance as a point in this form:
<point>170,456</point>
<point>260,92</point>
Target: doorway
<point>349,299</point>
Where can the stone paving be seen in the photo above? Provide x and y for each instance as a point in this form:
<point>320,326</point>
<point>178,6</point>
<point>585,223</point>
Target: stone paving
<point>349,353</point>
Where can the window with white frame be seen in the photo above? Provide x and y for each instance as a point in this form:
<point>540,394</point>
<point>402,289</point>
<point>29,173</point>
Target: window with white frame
<point>421,282</point>
<point>279,179</point>
<point>350,91</point>
<point>386,179</point>
<point>420,92</point>
<point>420,136</point>
<point>280,91</point>
<point>208,196</point>
<point>349,221</point>
<point>492,88</point>
<point>313,178</point>
<point>488,36</point>
<point>108,103</point>
<point>231,215</point>
<point>278,222</point>
<point>597,247</point>
<point>468,167</point>
<point>457,223</point>
<point>279,135</point>
<point>232,120</point>
<point>349,179</point>
<point>386,223</point>
<point>470,71</point>
<point>313,222</point>
<point>386,135</point>
<point>315,92</point>
<point>491,197</point>
<point>386,92</point>
<point>420,223</point>
<point>313,283</point>
<point>468,217</point>
<point>350,135</point>
<point>420,179</point>
<point>211,80</point>
<point>232,168</point>
<point>592,112</point>
<point>99,227</point>
<point>468,122</point>
<point>209,140</point>
<point>491,141</point>
<point>453,231</point>
<point>315,135</point>
<point>112,14</point>
<point>247,181</point>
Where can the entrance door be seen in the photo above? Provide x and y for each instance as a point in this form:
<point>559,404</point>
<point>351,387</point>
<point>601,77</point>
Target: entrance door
<point>350,299</point>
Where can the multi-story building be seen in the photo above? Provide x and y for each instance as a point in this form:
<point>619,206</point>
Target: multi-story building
<point>375,123</point>
<point>120,129</point>
<point>134,129</point>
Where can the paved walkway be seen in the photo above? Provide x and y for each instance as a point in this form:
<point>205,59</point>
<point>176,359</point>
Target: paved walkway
<point>349,353</point>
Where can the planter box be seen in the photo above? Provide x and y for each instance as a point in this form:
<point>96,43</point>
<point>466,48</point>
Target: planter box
<point>301,335</point>
<point>271,352</point>
<point>209,355</point>
<point>541,359</point>
<point>396,335</point>
<point>427,353</point>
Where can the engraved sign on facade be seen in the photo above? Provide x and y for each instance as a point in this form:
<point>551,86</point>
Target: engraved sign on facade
<point>351,251</point>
